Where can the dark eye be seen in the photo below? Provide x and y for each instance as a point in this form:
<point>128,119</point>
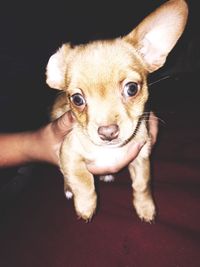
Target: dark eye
<point>130,89</point>
<point>78,99</point>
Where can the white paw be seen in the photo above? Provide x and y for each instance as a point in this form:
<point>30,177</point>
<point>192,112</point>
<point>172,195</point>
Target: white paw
<point>68,194</point>
<point>107,178</point>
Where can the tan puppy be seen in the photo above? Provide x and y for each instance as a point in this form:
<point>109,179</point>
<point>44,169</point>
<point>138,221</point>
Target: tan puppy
<point>104,84</point>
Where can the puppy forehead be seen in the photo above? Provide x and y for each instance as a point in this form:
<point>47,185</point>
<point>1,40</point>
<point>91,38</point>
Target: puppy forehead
<point>104,63</point>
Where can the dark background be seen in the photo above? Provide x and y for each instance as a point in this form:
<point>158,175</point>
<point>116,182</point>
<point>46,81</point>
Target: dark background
<point>31,32</point>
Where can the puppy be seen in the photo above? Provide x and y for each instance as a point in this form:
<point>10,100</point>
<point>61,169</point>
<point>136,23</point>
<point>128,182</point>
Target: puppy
<point>104,84</point>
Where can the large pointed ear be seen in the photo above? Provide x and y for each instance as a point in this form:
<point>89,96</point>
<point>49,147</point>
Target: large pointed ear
<point>158,33</point>
<point>56,67</point>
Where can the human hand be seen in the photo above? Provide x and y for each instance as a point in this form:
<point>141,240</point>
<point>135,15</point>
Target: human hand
<point>49,138</point>
<point>115,161</point>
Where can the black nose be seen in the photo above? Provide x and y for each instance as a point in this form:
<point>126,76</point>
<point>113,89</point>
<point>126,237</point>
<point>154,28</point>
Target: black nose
<point>108,132</point>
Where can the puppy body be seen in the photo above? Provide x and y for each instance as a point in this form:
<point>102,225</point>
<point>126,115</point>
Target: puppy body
<point>104,85</point>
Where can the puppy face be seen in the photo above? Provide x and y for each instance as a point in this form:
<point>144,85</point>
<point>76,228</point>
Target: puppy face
<point>106,79</point>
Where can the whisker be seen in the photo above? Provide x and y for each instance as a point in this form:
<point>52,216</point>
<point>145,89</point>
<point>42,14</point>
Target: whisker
<point>145,116</point>
<point>159,120</point>
<point>161,79</point>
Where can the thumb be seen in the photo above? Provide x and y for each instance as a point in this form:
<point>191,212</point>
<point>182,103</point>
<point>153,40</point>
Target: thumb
<point>63,124</point>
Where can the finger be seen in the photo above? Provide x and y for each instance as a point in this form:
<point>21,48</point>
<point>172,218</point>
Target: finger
<point>153,127</point>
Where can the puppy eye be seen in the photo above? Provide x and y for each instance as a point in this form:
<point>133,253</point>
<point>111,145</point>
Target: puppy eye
<point>78,99</point>
<point>130,89</point>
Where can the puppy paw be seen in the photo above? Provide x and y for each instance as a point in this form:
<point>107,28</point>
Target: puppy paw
<point>145,210</point>
<point>107,178</point>
<point>85,208</point>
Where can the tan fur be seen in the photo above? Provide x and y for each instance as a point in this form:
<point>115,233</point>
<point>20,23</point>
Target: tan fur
<point>100,72</point>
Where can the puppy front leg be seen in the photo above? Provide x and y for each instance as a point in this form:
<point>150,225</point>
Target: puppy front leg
<point>81,183</point>
<point>142,199</point>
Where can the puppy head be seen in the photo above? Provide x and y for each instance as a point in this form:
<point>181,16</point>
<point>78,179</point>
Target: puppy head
<point>105,81</point>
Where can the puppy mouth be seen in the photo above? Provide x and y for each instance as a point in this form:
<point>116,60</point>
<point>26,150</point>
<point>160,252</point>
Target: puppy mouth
<point>114,143</point>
